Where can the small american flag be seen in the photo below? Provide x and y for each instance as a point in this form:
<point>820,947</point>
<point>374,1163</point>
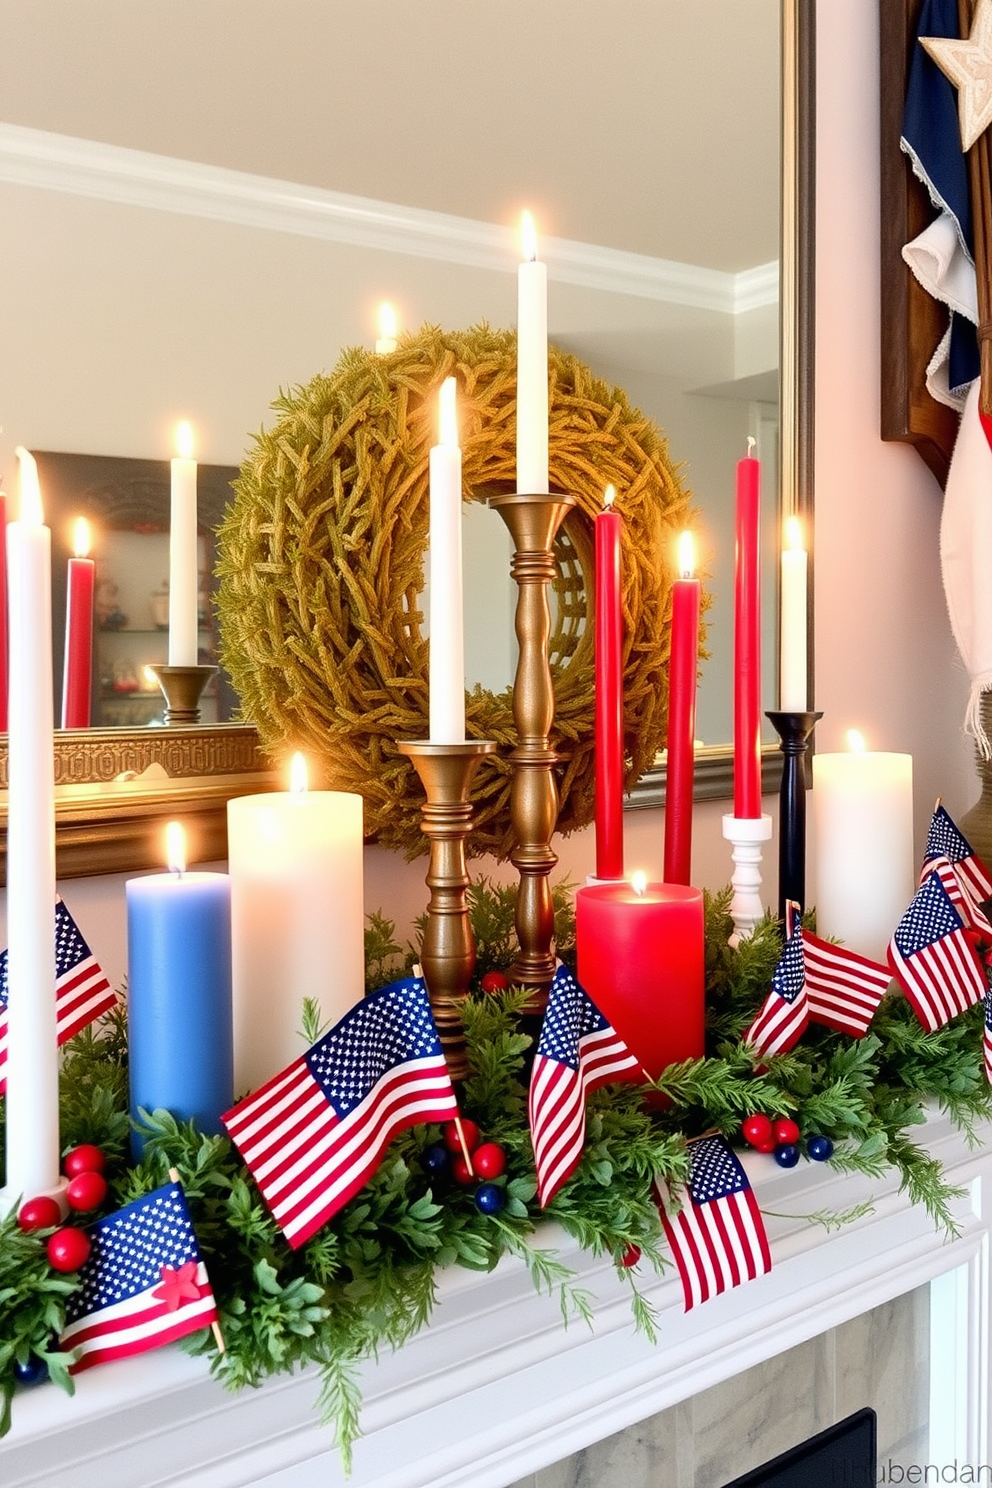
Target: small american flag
<point>945,840</point>
<point>987,1036</point>
<point>143,1284</point>
<point>578,1051</point>
<point>314,1134</point>
<point>785,1011</point>
<point>971,913</point>
<point>82,991</point>
<point>843,988</point>
<point>934,959</point>
<point>718,1236</point>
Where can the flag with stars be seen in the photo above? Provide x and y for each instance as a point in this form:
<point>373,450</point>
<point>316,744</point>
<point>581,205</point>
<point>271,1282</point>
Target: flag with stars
<point>946,841</point>
<point>785,1011</point>
<point>142,1285</point>
<point>718,1237</point>
<point>314,1134</point>
<point>934,959</point>
<point>843,988</point>
<point>578,1051</point>
<point>82,991</point>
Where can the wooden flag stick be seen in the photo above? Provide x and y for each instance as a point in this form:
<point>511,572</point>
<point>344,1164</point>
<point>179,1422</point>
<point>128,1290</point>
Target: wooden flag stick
<point>464,1145</point>
<point>214,1326</point>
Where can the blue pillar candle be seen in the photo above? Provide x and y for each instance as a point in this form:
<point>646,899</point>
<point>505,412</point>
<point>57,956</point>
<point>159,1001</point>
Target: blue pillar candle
<point>180,1047</point>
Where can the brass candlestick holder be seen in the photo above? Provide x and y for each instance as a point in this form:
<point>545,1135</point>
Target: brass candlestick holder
<point>182,687</point>
<point>533,522</point>
<point>448,952</point>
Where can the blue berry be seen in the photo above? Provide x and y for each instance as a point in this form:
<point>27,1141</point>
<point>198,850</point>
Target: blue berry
<point>820,1149</point>
<point>31,1373</point>
<point>436,1159</point>
<point>787,1155</point>
<point>489,1198</point>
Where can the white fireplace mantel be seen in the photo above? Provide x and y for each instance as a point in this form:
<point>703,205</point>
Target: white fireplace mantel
<point>496,1388</point>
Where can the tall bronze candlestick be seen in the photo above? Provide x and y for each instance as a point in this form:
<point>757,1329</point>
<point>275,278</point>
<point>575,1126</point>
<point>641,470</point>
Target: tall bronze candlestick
<point>793,729</point>
<point>533,522</point>
<point>448,951</point>
<point>182,687</point>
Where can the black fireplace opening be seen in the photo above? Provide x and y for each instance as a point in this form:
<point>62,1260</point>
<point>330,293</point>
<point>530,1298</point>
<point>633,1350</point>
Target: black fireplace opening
<point>843,1456</point>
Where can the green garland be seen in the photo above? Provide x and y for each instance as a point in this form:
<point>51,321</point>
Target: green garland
<point>368,1279</point>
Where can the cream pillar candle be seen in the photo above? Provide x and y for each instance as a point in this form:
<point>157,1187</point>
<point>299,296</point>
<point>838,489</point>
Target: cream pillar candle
<point>32,1140</point>
<point>863,863</point>
<point>447,621</point>
<point>297,920</point>
<point>184,559</point>
<point>792,621</point>
<point>532,367</point>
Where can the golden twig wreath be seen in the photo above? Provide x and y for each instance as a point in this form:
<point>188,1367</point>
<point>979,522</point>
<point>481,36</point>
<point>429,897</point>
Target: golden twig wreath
<point>321,567</point>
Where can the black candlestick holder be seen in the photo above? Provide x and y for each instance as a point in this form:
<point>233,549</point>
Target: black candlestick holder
<point>793,730</point>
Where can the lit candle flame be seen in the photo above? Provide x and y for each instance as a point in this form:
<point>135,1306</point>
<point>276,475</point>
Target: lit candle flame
<point>528,235</point>
<point>184,440</point>
<point>448,413</point>
<point>387,322</point>
<point>299,779</point>
<point>639,882</point>
<point>856,741</point>
<point>81,538</point>
<point>175,847</point>
<point>151,681</point>
<point>687,555</point>
<point>751,443</point>
<point>31,512</point>
<point>793,534</point>
<point>609,496</point>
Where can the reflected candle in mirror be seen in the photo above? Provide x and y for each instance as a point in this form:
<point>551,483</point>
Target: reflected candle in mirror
<point>297,918</point>
<point>183,553</point>
<point>682,669</point>
<point>180,1049</point>
<point>386,339</point>
<point>447,605</point>
<point>863,863</point>
<point>641,960</point>
<point>3,613</point>
<point>77,673</point>
<point>747,641</point>
<point>792,621</point>
<point>532,366</point>
<point>609,693</point>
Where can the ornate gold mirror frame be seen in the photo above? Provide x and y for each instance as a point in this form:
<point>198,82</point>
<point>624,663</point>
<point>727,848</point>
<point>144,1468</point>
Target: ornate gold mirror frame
<point>106,824</point>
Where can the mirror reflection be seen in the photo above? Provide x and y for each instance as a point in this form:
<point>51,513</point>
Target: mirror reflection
<point>136,296</point>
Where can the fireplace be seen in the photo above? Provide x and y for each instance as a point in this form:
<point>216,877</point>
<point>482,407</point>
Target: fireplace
<point>496,1392</point>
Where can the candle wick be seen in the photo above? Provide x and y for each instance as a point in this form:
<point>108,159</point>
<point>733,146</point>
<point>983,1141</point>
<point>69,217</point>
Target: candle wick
<point>751,442</point>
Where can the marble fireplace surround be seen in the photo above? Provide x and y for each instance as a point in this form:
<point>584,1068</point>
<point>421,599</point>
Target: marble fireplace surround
<point>496,1389</point>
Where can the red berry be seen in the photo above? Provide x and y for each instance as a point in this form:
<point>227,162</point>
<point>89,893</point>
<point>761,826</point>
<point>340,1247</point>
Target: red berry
<point>67,1249</point>
<point>757,1130</point>
<point>489,1160</point>
<point>39,1214</point>
<point>453,1141</point>
<point>86,1191</point>
<point>460,1171</point>
<point>84,1159</point>
<point>630,1257</point>
<point>495,981</point>
<point>786,1132</point>
<point>768,1146</point>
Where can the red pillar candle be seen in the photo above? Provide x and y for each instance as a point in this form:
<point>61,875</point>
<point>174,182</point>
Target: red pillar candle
<point>641,960</point>
<point>78,673</point>
<point>3,613</point>
<point>682,667</point>
<point>747,642</point>
<point>609,694</point>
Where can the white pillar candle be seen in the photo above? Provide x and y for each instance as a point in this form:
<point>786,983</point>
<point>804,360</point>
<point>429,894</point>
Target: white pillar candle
<point>447,620</point>
<point>793,695</point>
<point>184,557</point>
<point>863,845</point>
<point>532,367</point>
<point>297,920</point>
<point>32,1048</point>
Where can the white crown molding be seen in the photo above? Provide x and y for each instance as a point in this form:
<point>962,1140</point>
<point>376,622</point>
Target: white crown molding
<point>59,162</point>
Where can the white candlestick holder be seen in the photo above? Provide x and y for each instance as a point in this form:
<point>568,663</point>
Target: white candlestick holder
<point>746,834</point>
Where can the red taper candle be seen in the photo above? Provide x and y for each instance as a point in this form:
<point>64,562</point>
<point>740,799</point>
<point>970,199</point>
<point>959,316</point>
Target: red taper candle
<point>78,674</point>
<point>3,614</point>
<point>682,668</point>
<point>609,694</point>
<point>747,641</point>
<point>641,960</point>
